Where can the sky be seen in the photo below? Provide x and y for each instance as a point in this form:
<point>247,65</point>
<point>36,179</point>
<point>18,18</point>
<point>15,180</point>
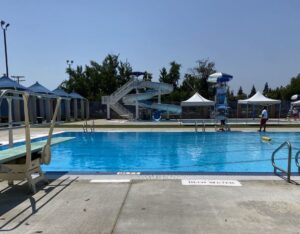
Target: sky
<point>255,41</point>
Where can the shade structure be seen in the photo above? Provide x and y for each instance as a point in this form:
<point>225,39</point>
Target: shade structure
<point>197,100</point>
<point>219,77</point>
<point>76,95</point>
<point>60,92</point>
<point>296,103</point>
<point>259,99</point>
<point>38,88</point>
<point>7,83</point>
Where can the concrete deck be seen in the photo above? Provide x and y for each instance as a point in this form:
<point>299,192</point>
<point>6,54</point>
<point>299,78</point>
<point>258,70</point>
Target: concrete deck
<point>150,206</point>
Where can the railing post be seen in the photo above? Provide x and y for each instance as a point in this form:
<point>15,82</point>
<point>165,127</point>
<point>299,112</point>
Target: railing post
<point>289,162</point>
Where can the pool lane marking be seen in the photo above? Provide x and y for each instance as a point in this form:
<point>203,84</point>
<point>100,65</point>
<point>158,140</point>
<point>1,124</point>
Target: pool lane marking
<point>110,181</point>
<point>233,183</point>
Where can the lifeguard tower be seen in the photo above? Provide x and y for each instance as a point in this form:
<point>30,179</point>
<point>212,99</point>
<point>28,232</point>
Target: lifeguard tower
<point>220,80</point>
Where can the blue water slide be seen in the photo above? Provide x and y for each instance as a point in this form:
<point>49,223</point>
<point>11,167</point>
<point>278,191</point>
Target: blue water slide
<point>153,89</point>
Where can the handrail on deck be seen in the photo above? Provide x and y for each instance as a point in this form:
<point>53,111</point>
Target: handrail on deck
<point>288,171</point>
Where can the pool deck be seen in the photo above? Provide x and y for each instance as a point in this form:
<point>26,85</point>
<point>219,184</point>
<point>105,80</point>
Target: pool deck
<point>149,203</point>
<point>75,205</point>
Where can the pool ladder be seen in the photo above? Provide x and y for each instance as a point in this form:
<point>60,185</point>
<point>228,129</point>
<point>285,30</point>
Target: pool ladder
<point>276,167</point>
<point>297,160</point>
<point>203,126</point>
<point>85,126</point>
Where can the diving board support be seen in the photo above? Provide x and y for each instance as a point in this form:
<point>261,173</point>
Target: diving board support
<point>17,168</point>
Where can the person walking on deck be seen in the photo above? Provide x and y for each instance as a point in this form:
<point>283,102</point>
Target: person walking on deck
<point>263,119</point>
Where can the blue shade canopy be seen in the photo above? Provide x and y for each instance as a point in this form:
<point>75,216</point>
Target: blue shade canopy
<point>75,95</point>
<point>7,83</point>
<point>219,77</point>
<point>38,88</point>
<point>60,92</point>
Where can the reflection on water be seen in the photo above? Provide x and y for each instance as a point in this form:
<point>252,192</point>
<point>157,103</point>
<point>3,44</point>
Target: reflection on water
<point>167,152</point>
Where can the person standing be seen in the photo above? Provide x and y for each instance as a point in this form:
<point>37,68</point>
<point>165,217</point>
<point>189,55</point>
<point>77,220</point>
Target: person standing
<point>263,119</point>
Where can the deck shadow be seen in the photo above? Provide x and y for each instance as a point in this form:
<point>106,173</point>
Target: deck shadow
<point>18,204</point>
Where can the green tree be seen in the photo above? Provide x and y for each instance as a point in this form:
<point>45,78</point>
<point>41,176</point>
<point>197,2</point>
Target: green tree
<point>96,80</point>
<point>253,91</point>
<point>171,77</point>
<point>241,94</point>
<point>266,89</point>
<point>147,76</point>
<point>163,76</point>
<point>174,74</point>
<point>197,78</point>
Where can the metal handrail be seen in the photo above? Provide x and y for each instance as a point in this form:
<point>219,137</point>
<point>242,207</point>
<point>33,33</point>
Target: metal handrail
<point>288,171</point>
<point>297,161</point>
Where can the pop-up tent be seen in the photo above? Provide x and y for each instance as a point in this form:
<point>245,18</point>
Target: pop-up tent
<point>259,99</point>
<point>197,100</point>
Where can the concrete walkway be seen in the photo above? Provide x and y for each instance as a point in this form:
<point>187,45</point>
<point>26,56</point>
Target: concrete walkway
<point>150,206</point>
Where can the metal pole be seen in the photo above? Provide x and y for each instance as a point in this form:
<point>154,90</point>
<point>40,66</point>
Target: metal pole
<point>10,130</point>
<point>5,48</point>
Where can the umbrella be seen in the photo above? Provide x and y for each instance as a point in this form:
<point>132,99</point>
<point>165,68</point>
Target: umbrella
<point>219,77</point>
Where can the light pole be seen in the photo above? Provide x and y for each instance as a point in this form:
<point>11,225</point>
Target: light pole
<point>4,26</point>
<point>70,62</point>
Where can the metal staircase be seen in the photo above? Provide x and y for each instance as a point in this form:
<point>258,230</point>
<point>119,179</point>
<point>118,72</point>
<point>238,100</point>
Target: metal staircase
<point>121,110</point>
<point>113,99</point>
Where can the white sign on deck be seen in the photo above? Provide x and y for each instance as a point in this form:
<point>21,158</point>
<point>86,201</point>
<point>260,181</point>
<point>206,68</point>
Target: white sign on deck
<point>212,182</point>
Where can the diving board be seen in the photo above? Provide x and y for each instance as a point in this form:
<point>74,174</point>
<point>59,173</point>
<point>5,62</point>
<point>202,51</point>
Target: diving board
<point>20,151</point>
<point>17,163</point>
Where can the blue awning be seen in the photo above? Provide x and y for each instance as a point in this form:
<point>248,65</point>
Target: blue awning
<point>76,95</point>
<point>7,83</point>
<point>38,88</point>
<point>60,92</point>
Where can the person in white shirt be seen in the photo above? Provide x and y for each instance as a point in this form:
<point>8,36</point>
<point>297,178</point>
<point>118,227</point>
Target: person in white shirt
<point>263,119</point>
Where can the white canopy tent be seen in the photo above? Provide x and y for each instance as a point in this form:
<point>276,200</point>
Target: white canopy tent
<point>197,100</point>
<point>260,99</point>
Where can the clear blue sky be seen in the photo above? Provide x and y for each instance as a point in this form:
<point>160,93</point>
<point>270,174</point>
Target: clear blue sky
<point>256,41</point>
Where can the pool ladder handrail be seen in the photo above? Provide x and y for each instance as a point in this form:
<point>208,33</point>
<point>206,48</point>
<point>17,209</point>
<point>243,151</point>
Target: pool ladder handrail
<point>93,126</point>
<point>297,160</point>
<point>288,171</point>
<point>85,126</point>
<point>196,126</point>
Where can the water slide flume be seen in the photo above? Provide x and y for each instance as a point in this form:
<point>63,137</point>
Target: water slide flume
<point>144,92</point>
<point>154,89</point>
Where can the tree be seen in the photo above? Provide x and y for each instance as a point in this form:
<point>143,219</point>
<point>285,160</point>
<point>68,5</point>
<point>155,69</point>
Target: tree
<point>124,73</point>
<point>147,76</point>
<point>174,74</point>
<point>253,91</point>
<point>163,77</point>
<point>171,77</point>
<point>198,78</point>
<point>241,94</point>
<point>96,80</point>
<point>266,89</point>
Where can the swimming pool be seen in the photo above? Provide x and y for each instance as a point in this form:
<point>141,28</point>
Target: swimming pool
<point>169,152</point>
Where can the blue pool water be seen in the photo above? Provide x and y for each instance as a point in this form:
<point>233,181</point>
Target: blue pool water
<point>169,152</point>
